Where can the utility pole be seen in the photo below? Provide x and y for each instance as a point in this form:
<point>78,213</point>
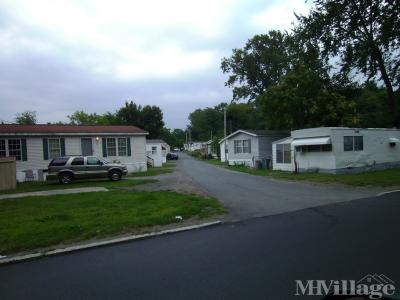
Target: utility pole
<point>187,145</point>
<point>225,133</point>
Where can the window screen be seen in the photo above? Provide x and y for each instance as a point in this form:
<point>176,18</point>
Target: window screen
<point>287,157</point>
<point>54,148</point>
<point>14,148</point>
<point>111,147</point>
<point>122,147</point>
<point>3,148</point>
<point>279,153</point>
<point>358,143</point>
<point>348,143</point>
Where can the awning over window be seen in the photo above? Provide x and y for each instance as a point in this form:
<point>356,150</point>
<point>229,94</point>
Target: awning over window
<point>393,140</point>
<point>326,140</point>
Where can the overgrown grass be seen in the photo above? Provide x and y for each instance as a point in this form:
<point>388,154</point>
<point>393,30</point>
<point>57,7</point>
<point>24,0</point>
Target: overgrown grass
<point>34,186</point>
<point>168,167</point>
<point>36,222</point>
<point>384,178</point>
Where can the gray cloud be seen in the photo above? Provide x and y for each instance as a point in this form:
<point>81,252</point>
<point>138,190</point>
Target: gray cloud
<point>49,71</point>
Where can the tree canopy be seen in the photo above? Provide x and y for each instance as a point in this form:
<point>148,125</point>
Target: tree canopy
<point>148,117</point>
<point>26,118</point>
<point>331,69</point>
<point>363,34</point>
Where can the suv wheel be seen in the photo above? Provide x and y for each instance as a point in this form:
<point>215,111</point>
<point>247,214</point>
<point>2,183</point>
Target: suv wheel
<point>115,175</point>
<point>65,178</point>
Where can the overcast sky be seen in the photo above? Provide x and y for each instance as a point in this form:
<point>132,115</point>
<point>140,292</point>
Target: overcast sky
<point>57,57</point>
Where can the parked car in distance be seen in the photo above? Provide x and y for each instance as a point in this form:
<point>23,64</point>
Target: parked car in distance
<point>68,168</point>
<point>172,156</point>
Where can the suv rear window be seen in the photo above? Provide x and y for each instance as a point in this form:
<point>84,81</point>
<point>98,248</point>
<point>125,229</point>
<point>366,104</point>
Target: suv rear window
<point>78,161</point>
<point>59,161</point>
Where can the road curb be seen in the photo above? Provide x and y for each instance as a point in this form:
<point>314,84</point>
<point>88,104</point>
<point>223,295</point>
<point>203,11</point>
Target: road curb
<point>387,192</point>
<point>14,259</point>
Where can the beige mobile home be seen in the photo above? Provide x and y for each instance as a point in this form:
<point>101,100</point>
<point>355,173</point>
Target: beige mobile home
<point>34,146</point>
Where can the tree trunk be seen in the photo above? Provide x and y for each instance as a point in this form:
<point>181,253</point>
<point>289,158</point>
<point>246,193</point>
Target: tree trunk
<point>389,87</point>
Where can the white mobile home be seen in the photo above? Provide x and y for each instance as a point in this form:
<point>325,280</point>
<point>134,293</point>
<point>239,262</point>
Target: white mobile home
<point>192,146</point>
<point>252,148</point>
<point>157,150</point>
<point>34,146</point>
<point>211,150</point>
<point>338,150</point>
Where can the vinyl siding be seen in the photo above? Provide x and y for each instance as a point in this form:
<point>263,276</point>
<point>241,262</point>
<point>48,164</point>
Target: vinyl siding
<point>35,161</point>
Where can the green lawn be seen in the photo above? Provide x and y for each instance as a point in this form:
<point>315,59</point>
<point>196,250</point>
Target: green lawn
<point>36,222</point>
<point>34,186</point>
<point>384,178</point>
<point>168,167</point>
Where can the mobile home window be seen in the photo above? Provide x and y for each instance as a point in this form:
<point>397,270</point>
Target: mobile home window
<point>3,148</point>
<point>14,148</point>
<point>358,143</point>
<point>242,146</point>
<point>283,154</point>
<point>154,150</point>
<point>279,153</point>
<point>111,147</point>
<point>314,148</point>
<point>353,143</point>
<point>54,148</point>
<point>122,147</point>
<point>287,157</point>
<point>238,147</point>
<point>246,146</point>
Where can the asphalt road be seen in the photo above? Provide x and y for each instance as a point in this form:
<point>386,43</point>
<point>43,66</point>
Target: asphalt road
<point>248,196</point>
<point>253,259</point>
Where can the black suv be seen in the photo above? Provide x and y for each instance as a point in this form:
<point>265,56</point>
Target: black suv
<point>68,168</point>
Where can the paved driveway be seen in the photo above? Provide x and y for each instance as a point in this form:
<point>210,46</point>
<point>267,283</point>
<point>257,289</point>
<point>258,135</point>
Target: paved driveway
<point>247,196</point>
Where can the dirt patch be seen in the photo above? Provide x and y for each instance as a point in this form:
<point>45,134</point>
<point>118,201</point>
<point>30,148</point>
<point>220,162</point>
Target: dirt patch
<point>176,182</point>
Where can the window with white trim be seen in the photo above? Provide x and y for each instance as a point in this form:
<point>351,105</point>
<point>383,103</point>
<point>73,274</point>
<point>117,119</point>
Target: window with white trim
<point>3,151</point>
<point>154,150</point>
<point>242,146</point>
<point>246,146</point>
<point>117,146</point>
<point>111,147</point>
<point>122,147</point>
<point>54,146</point>
<point>283,154</point>
<point>238,146</point>
<point>14,148</point>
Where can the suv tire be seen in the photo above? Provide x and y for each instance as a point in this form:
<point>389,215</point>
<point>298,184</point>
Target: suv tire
<point>65,178</point>
<point>115,175</point>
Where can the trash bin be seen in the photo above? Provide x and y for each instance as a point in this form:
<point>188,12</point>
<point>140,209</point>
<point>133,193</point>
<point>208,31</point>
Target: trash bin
<point>258,164</point>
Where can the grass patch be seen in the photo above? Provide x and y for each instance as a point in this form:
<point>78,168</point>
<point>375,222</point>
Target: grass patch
<point>383,178</point>
<point>36,222</point>
<point>168,167</point>
<point>34,186</point>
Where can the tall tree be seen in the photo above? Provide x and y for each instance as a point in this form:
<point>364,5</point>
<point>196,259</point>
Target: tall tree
<point>265,59</point>
<point>26,118</point>
<point>259,65</point>
<point>364,34</point>
<point>302,99</point>
<point>152,120</point>
<point>130,114</point>
<point>205,122</point>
